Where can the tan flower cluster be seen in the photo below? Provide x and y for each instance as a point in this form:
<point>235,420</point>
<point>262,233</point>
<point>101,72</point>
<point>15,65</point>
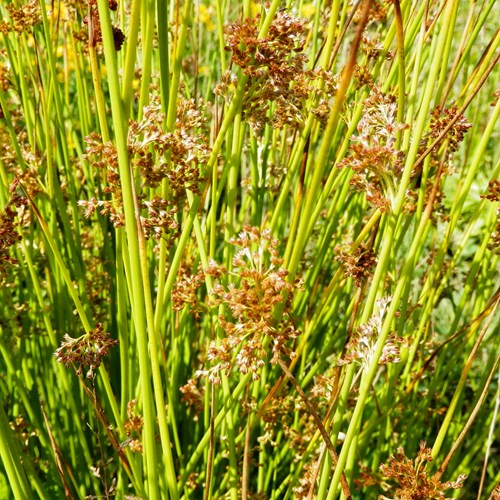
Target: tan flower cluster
<point>358,265</point>
<point>412,479</point>
<point>9,235</point>
<point>274,65</point>
<point>178,157</point>
<point>4,80</point>
<point>192,396</point>
<point>104,157</point>
<point>22,18</point>
<point>133,427</point>
<point>373,157</point>
<point>441,118</point>
<point>185,290</point>
<point>85,351</point>
<point>493,195</point>
<point>257,287</point>
<point>361,346</point>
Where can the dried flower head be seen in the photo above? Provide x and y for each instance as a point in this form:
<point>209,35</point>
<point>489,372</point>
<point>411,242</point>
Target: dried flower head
<point>155,155</point>
<point>85,351</point>
<point>104,157</point>
<point>179,156</point>
<point>441,118</point>
<point>184,291</point>
<point>4,78</point>
<point>412,479</point>
<point>373,47</point>
<point>259,285</point>
<point>362,344</point>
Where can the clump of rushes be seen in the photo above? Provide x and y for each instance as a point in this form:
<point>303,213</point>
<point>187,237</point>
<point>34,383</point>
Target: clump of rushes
<point>152,206</point>
<point>258,286</point>
<point>413,480</point>
<point>86,352</point>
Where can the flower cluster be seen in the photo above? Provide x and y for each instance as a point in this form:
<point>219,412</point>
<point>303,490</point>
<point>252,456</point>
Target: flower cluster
<point>4,79</point>
<point>358,265</point>
<point>192,395</point>
<point>180,156</point>
<point>177,157</point>
<point>441,118</point>
<point>105,158</point>
<point>133,427</point>
<point>184,291</point>
<point>8,232</point>
<point>85,351</point>
<point>412,479</point>
<point>22,18</point>
<point>274,65</point>
<point>493,195</point>
<point>259,287</point>
<point>361,345</point>
<point>373,47</point>
<point>374,159</point>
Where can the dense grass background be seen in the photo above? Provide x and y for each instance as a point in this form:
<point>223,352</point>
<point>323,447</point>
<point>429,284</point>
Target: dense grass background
<point>249,250</point>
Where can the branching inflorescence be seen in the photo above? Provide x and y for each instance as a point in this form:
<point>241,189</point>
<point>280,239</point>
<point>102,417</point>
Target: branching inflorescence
<point>258,287</point>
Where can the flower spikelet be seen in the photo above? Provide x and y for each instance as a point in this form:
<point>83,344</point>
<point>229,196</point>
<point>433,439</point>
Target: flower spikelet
<point>358,264</point>
<point>412,480</point>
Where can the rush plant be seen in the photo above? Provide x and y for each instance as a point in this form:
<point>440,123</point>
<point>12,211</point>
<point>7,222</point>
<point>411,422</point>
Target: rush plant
<point>249,249</point>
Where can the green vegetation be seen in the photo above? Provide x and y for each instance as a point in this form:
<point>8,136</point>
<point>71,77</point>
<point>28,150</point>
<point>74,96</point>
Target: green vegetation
<point>249,250</point>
